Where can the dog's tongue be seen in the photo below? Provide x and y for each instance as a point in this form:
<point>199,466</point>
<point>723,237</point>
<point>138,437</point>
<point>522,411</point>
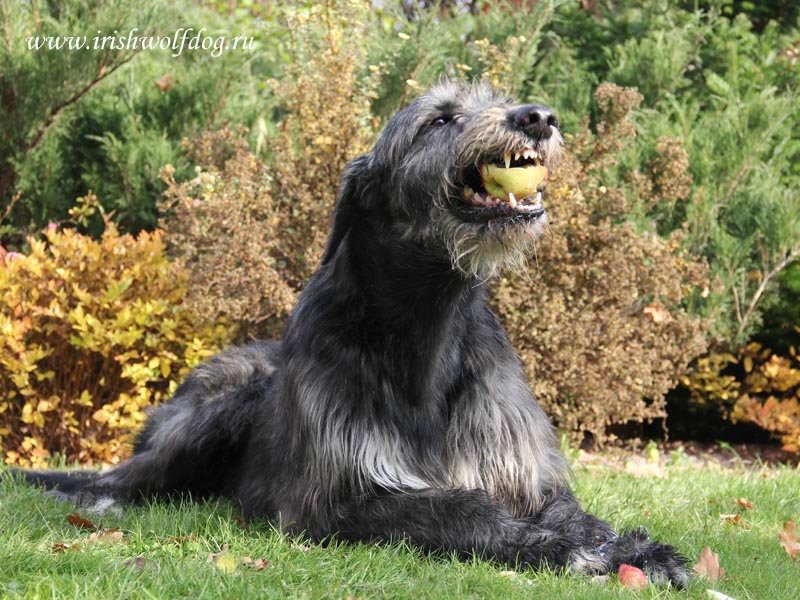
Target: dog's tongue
<point>520,181</point>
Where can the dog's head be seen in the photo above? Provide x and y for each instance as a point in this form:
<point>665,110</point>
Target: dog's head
<point>461,169</point>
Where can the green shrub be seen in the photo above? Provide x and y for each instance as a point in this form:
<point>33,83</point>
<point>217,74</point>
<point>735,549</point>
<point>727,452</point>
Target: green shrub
<point>120,115</point>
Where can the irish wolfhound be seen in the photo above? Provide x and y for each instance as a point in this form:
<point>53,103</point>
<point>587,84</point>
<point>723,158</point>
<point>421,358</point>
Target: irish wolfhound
<point>395,406</point>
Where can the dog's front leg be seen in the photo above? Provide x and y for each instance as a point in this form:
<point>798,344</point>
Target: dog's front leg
<point>596,538</point>
<point>465,522</point>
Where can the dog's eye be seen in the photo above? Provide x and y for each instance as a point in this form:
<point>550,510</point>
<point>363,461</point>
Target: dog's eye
<point>439,121</point>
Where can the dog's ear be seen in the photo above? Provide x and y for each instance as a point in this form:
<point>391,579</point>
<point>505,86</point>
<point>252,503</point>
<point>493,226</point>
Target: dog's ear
<point>349,203</point>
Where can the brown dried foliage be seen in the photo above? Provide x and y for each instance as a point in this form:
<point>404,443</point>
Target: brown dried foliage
<point>225,228</point>
<point>599,324</point>
<point>251,232</point>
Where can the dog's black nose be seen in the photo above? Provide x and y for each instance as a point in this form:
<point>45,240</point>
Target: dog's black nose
<point>535,120</point>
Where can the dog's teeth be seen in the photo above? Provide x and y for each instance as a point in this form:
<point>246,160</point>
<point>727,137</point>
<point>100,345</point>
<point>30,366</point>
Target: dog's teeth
<point>477,199</point>
<point>468,192</point>
<point>507,159</point>
<point>538,198</point>
<point>517,155</point>
<point>512,200</point>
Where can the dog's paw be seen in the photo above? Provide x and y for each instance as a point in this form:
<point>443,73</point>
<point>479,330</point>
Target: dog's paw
<point>96,504</point>
<point>587,562</point>
<point>663,564</point>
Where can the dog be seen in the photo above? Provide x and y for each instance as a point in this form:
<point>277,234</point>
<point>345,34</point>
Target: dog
<point>395,407</point>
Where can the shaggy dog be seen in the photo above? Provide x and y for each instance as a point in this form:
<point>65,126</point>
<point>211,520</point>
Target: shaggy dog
<point>395,406</point>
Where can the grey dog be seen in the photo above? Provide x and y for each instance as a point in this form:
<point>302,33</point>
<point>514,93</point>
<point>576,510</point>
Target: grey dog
<point>395,406</point>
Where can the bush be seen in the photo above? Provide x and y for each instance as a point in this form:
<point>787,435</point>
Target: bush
<point>601,326</point>
<point>93,332</point>
<point>120,115</point>
<point>754,385</point>
<point>224,228</point>
<point>250,233</point>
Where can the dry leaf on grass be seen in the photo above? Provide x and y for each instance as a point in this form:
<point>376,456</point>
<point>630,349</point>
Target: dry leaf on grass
<point>789,538</point>
<point>107,536</point>
<point>735,520</point>
<point>744,503</point>
<point>632,577</point>
<point>708,565</point>
<point>259,564</point>
<point>138,563</point>
<point>61,547</point>
<point>78,521</point>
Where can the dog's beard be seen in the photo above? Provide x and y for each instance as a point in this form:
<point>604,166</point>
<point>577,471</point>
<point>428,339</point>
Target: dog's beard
<point>484,250</point>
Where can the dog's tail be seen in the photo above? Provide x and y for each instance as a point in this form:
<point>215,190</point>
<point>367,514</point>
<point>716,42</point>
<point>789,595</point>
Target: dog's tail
<point>67,482</point>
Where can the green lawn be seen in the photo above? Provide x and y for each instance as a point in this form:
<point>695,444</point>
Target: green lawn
<point>175,540</point>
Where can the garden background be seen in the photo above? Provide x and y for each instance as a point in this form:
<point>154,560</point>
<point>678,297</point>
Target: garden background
<point>156,208</point>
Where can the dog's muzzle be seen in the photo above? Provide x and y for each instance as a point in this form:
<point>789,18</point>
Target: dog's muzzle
<point>511,186</point>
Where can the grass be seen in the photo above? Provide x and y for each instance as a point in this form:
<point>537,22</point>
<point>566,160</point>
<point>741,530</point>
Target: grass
<point>175,540</point>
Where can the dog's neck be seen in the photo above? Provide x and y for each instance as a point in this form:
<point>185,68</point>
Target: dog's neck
<point>406,299</point>
<point>414,287</point>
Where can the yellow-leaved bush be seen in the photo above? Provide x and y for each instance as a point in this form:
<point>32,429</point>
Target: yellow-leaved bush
<point>754,385</point>
<point>92,332</point>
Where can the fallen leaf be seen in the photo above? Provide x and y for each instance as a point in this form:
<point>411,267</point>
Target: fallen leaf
<point>107,536</point>
<point>259,564</point>
<point>241,521</point>
<point>789,538</point>
<point>632,577</point>
<point>78,521</point>
<point>509,574</point>
<point>164,82</point>
<point>61,547</point>
<point>744,503</point>
<point>736,520</point>
<point>138,563</point>
<point>708,565</point>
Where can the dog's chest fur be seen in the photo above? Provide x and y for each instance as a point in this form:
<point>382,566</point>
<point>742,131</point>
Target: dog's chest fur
<point>500,441</point>
<point>481,430</point>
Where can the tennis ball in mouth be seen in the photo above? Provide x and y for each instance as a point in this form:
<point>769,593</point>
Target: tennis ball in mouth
<point>520,181</point>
